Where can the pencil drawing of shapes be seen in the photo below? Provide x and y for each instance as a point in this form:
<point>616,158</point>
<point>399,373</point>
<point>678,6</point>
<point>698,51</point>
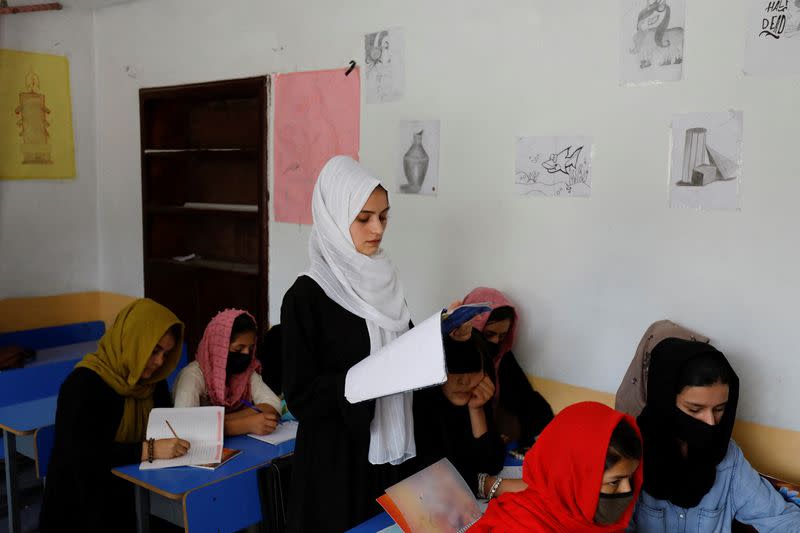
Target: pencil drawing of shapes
<point>384,57</point>
<point>553,166</point>
<point>418,141</point>
<point>702,164</point>
<point>726,166</point>
<point>706,160</point>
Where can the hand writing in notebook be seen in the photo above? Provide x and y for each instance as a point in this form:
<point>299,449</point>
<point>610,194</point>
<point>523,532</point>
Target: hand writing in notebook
<point>262,423</point>
<point>202,426</point>
<point>167,449</point>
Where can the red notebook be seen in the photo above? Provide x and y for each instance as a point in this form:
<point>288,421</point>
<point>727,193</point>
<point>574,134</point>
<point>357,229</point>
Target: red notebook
<point>227,455</point>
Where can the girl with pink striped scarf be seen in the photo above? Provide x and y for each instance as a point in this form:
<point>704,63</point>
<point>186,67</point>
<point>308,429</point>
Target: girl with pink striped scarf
<point>226,373</point>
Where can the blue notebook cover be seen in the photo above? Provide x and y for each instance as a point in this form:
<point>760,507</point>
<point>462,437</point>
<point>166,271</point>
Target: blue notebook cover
<point>460,315</point>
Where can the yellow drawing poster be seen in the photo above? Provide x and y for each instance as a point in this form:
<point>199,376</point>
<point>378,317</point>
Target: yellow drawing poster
<point>35,117</point>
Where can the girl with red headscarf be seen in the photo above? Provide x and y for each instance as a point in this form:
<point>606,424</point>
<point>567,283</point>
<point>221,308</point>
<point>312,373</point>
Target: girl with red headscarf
<point>520,412</point>
<point>584,475</point>
<point>226,373</point>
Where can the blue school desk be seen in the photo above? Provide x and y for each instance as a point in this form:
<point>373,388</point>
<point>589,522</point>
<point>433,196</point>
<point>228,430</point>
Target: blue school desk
<point>225,499</point>
<point>49,337</point>
<point>18,420</point>
<point>28,399</point>
<point>68,352</point>
<point>43,376</point>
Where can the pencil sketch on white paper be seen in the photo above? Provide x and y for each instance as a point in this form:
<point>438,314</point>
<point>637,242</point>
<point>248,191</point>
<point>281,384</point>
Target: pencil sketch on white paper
<point>651,41</point>
<point>706,160</point>
<point>554,166</point>
<point>773,38</point>
<point>418,157</point>
<point>384,60</point>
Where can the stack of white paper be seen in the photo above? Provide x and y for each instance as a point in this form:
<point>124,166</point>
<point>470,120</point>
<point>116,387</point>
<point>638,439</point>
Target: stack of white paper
<point>412,361</point>
<point>203,427</point>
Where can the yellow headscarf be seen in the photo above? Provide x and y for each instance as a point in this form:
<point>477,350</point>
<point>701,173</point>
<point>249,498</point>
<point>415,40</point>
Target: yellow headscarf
<point>122,354</point>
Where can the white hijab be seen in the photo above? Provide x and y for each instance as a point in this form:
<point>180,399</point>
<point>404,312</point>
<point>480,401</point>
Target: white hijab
<point>367,286</point>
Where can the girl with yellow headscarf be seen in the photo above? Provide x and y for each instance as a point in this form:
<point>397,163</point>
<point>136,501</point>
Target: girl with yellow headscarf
<point>101,421</point>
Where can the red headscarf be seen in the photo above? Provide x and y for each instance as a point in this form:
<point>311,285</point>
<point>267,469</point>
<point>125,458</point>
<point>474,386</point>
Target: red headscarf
<point>564,472</point>
<point>212,356</point>
<point>495,299</point>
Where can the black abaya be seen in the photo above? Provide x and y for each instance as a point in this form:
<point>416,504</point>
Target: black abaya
<point>333,485</point>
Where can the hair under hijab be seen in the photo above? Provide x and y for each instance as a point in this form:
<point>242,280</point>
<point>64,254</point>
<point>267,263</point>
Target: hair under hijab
<point>244,323</point>
<point>499,314</point>
<point>625,443</point>
<point>704,370</point>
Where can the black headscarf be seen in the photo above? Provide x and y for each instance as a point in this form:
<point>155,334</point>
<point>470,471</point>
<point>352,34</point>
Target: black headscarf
<point>668,475</point>
<point>463,357</point>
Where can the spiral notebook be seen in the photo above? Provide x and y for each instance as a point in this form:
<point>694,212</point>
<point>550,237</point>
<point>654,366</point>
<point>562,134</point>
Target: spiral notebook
<point>435,500</point>
<point>413,360</point>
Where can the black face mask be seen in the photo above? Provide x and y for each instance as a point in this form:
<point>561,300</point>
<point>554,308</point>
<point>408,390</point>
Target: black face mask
<point>237,363</point>
<point>611,507</point>
<point>492,349</point>
<point>696,433</point>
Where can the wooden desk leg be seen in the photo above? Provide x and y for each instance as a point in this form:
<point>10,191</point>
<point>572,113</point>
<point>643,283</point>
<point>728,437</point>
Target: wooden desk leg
<point>142,510</point>
<point>10,449</point>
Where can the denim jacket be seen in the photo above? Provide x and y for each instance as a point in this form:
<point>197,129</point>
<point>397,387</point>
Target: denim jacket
<point>739,492</point>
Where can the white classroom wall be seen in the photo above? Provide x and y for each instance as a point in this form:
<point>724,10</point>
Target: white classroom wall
<point>48,228</point>
<point>588,274</point>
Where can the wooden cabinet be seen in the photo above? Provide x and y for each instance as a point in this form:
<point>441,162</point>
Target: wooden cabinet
<point>204,192</point>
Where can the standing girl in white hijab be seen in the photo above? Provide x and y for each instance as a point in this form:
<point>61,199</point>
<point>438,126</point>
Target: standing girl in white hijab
<point>349,304</point>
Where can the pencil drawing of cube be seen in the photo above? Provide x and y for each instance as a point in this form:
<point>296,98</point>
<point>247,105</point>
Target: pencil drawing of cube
<point>706,160</point>
<point>704,174</point>
<point>701,163</point>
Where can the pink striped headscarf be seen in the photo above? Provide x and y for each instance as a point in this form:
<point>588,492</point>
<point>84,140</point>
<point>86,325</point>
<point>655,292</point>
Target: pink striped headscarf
<point>212,356</point>
<point>495,299</point>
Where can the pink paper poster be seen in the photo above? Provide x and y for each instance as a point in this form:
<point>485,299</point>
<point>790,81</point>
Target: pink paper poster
<point>317,116</point>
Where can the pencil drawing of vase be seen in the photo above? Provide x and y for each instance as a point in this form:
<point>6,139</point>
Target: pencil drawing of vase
<point>415,165</point>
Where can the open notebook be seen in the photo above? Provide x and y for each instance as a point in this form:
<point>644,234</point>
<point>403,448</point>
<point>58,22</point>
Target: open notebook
<point>286,430</point>
<point>203,427</point>
<point>436,500</point>
<point>414,360</point>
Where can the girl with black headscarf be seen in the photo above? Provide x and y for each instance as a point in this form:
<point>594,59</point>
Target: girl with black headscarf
<point>695,477</point>
<point>455,420</point>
